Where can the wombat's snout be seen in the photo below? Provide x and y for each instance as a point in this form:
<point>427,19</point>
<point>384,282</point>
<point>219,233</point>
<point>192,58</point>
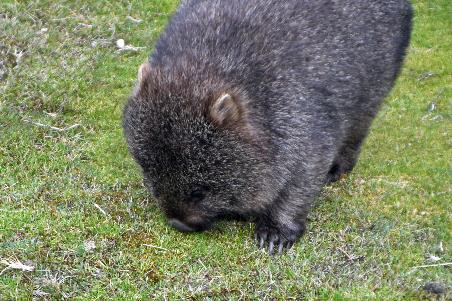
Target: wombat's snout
<point>180,225</point>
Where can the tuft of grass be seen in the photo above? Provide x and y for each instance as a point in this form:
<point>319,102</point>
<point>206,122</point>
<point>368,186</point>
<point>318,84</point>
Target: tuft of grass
<point>72,205</point>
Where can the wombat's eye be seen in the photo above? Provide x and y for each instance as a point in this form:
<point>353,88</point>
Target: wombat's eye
<point>198,194</point>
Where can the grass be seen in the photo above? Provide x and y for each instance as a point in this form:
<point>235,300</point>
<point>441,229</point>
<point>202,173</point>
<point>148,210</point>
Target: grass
<point>73,208</point>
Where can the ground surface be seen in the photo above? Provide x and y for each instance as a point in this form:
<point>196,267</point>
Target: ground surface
<point>73,210</point>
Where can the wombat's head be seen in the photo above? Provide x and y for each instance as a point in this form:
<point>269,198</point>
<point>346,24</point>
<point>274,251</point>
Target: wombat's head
<point>196,148</point>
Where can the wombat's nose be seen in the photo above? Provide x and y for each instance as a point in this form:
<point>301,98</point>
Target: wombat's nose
<point>180,225</point>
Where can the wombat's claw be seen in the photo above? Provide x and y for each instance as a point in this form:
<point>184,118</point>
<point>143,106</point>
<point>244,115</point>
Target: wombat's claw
<point>260,238</point>
<point>281,246</point>
<point>276,241</point>
<point>271,246</point>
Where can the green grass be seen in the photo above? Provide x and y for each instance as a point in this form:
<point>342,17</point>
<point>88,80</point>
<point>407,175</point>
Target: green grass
<point>366,234</point>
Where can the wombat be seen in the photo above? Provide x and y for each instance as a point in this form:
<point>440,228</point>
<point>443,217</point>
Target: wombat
<point>246,108</point>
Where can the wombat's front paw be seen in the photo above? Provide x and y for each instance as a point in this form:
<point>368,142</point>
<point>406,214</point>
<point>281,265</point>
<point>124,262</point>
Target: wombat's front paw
<point>280,237</point>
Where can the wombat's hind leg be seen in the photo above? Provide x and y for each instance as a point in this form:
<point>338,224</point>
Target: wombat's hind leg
<point>334,174</point>
<point>347,157</point>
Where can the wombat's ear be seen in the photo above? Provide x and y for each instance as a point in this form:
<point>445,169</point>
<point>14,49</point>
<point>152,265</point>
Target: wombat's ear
<point>225,110</point>
<point>144,71</point>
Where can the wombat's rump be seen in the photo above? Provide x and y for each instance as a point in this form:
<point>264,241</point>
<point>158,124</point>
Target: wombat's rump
<point>247,108</point>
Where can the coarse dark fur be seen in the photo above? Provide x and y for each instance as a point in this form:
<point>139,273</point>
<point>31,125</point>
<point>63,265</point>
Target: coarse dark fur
<point>248,107</point>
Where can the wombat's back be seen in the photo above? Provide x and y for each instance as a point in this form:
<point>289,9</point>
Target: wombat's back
<point>309,43</point>
<point>298,60</point>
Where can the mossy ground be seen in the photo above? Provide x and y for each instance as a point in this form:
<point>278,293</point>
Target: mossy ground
<point>72,204</point>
